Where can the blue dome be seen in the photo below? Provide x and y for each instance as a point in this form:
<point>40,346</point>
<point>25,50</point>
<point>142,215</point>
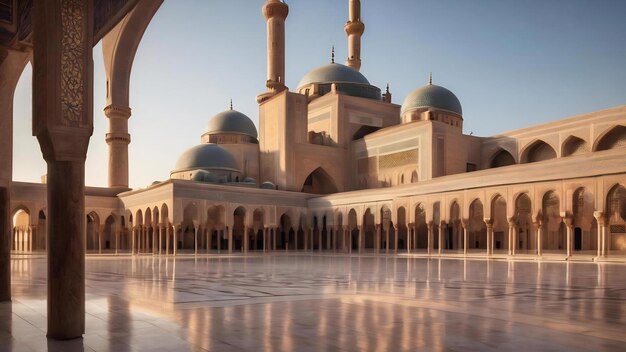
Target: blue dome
<point>206,157</point>
<point>232,121</point>
<point>333,73</point>
<point>432,96</point>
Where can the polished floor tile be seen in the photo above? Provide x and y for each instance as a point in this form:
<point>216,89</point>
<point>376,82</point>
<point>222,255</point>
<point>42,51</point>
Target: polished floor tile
<point>304,302</point>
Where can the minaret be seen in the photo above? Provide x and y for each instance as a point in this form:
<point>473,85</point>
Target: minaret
<point>354,29</point>
<point>275,12</point>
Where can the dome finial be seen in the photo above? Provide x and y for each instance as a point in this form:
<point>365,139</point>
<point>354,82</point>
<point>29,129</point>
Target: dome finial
<point>387,88</point>
<point>430,79</point>
<point>231,104</point>
<point>332,55</point>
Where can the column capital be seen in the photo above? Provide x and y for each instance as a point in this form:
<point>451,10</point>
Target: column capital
<point>568,221</point>
<point>600,218</point>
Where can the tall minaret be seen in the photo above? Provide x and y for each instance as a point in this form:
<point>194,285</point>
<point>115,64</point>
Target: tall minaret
<point>275,12</point>
<point>354,29</point>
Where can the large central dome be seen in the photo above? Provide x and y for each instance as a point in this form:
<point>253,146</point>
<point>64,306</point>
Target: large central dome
<point>231,121</point>
<point>333,73</point>
<point>432,96</point>
<point>346,80</point>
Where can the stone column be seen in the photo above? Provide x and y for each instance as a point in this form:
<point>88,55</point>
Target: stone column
<point>63,124</point>
<point>30,234</point>
<point>539,227</point>
<point>160,239</point>
<point>395,240</point>
<point>489,236</point>
<point>230,240</point>
<point>361,233</point>
<point>175,239</point>
<point>601,220</point>
<point>442,224</point>
<point>167,239</point>
<point>118,140</point>
<point>409,240</point>
<point>567,220</point>
<point>430,237</point>
<point>195,240</point>
<point>512,237</point>
<point>464,225</point>
<point>246,240</point>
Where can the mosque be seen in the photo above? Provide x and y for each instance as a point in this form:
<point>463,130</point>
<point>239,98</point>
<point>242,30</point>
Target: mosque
<point>335,164</point>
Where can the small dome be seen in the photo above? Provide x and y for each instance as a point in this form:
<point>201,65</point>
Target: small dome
<point>232,121</point>
<point>249,180</point>
<point>267,185</point>
<point>206,157</point>
<point>333,73</point>
<point>432,96</point>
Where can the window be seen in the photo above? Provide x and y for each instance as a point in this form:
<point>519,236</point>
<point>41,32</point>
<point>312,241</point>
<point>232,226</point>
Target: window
<point>470,167</point>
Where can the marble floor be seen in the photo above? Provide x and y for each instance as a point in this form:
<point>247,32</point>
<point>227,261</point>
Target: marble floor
<point>317,302</point>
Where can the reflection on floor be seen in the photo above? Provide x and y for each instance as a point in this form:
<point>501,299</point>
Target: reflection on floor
<point>310,302</point>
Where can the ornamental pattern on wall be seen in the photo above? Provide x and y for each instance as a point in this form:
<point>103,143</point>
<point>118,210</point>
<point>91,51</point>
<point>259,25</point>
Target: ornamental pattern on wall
<point>72,60</point>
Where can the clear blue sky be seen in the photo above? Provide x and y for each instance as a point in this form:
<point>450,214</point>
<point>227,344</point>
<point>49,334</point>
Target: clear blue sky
<point>511,63</point>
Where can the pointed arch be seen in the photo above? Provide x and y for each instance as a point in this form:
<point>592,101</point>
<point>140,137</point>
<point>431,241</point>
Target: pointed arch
<point>612,138</point>
<point>500,222</point>
<point>574,146</point>
<point>319,182</point>
<point>585,227</point>
<point>553,238</point>
<point>164,214</point>
<point>501,158</point>
<point>477,228</point>
<point>537,151</point>
<point>526,241</point>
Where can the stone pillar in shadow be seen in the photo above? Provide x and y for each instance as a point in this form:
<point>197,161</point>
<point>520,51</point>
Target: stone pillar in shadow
<point>63,124</point>
<point>12,63</point>
<point>5,245</point>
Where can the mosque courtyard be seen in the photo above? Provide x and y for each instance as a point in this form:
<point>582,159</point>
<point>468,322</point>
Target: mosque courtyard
<point>327,302</point>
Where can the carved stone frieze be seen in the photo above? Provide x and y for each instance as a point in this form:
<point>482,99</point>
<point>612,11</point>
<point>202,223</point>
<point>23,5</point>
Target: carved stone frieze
<point>72,61</point>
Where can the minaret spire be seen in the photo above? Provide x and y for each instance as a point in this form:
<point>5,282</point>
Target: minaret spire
<point>275,12</point>
<point>354,29</point>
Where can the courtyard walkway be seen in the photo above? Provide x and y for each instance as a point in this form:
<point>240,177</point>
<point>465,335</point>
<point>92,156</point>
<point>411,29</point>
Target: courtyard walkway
<point>318,302</point>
